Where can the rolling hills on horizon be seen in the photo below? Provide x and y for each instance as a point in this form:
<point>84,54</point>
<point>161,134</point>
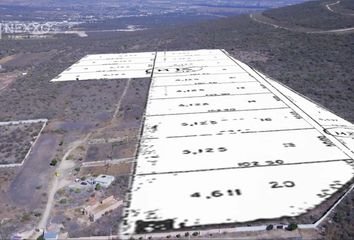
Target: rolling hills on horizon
<point>309,47</point>
<point>109,9</point>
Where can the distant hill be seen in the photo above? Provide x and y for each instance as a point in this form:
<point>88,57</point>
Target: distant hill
<point>109,9</point>
<point>316,64</point>
<point>314,15</point>
<point>232,3</point>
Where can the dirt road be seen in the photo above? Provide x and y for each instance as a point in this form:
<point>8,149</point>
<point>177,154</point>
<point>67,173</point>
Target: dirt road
<point>260,18</point>
<point>57,183</point>
<point>119,103</point>
<point>35,171</point>
<point>329,6</point>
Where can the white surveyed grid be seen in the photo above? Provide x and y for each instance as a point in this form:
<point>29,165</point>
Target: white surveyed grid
<point>222,143</point>
<point>109,66</point>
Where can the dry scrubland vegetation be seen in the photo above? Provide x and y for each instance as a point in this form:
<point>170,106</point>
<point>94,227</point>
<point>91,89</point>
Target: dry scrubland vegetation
<point>319,66</point>
<point>348,5</point>
<point>310,15</point>
<point>16,140</point>
<point>129,120</point>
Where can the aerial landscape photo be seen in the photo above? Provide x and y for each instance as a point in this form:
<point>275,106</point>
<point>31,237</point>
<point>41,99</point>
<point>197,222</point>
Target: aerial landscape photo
<point>203,119</point>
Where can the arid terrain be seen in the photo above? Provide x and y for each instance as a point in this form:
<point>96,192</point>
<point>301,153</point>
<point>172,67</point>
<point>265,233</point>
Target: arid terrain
<point>94,126</point>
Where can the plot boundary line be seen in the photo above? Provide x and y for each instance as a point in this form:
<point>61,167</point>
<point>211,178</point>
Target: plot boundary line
<point>202,84</point>
<point>240,94</point>
<point>241,110</point>
<point>44,121</point>
<point>232,168</point>
<point>128,195</point>
<point>299,110</point>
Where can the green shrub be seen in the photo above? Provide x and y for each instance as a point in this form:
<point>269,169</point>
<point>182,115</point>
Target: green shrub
<point>98,187</point>
<point>53,162</point>
<point>291,227</point>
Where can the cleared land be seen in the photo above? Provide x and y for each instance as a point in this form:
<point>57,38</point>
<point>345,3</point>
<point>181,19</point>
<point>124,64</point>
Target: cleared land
<point>187,87</point>
<point>319,66</point>
<point>109,67</point>
<point>293,137</point>
<point>7,78</point>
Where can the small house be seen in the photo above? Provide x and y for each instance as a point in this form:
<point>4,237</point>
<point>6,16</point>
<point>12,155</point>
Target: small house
<point>51,236</point>
<point>104,180</point>
<point>97,210</point>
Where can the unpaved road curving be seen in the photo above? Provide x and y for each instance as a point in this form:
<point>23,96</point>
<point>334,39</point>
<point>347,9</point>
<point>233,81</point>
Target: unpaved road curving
<point>329,7</point>
<point>57,183</point>
<point>260,18</point>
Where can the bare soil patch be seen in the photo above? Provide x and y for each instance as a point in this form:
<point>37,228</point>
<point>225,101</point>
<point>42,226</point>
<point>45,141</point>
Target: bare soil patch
<point>22,60</point>
<point>7,78</point>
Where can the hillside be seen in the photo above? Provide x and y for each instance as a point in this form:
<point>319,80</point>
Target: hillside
<point>318,65</point>
<point>321,15</point>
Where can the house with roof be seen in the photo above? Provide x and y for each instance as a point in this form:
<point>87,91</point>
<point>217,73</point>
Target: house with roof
<point>104,180</point>
<point>51,235</point>
<point>97,210</point>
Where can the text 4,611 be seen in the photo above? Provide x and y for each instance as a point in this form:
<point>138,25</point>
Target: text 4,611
<point>217,194</point>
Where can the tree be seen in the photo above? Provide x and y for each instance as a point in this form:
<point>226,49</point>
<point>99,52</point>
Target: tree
<point>53,162</point>
<point>41,237</point>
<point>269,227</point>
<point>291,227</point>
<point>98,187</point>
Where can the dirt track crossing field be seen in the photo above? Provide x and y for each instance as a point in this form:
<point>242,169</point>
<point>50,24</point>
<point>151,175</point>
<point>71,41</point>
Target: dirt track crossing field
<point>34,172</point>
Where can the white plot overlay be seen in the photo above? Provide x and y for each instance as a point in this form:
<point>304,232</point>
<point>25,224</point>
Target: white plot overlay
<point>109,66</point>
<point>223,143</point>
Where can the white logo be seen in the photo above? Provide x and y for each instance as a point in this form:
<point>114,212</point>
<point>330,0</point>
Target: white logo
<point>28,28</point>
